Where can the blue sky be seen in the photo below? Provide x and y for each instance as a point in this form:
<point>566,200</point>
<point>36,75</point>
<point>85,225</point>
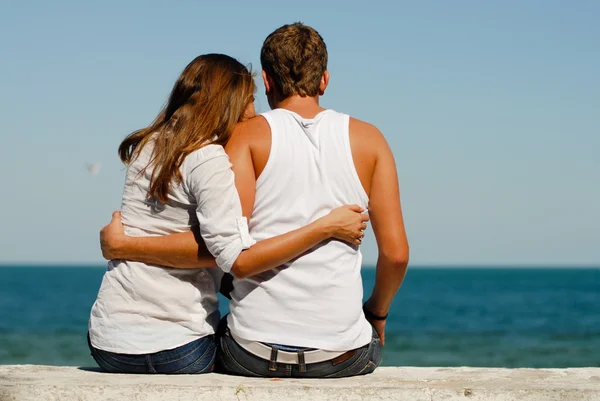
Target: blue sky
<point>491,108</point>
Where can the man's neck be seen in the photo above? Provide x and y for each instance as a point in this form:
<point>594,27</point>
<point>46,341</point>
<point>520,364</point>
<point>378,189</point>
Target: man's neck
<point>306,107</point>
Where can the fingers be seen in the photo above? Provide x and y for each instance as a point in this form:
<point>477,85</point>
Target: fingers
<point>364,217</point>
<point>356,208</point>
<point>358,239</point>
<point>363,226</point>
<point>116,215</point>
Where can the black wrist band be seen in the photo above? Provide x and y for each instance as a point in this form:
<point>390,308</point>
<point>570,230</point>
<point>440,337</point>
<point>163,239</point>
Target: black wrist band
<point>372,316</point>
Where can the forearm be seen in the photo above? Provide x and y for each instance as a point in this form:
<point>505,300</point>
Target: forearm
<point>388,278</point>
<point>270,253</point>
<point>179,250</point>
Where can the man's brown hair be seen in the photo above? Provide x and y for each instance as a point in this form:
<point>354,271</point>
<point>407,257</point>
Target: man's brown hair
<point>295,58</point>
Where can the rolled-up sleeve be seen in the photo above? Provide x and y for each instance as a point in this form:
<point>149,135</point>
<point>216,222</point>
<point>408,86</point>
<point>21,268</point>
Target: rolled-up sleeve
<point>211,183</point>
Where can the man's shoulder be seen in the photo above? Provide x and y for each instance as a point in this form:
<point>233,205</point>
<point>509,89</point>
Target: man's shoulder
<point>254,127</point>
<point>366,135</point>
<point>251,131</point>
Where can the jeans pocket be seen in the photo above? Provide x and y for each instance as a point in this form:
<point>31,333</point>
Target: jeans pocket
<point>202,363</point>
<point>230,363</point>
<point>112,364</point>
<point>376,351</point>
<point>369,368</point>
<point>353,365</point>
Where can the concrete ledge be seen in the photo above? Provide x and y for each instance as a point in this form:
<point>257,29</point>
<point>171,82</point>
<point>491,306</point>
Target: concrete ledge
<point>45,383</point>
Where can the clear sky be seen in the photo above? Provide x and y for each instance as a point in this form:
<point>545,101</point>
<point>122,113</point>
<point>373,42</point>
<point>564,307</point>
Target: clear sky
<point>491,108</point>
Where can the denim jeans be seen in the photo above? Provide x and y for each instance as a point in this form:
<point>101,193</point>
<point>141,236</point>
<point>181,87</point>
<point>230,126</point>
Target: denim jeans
<point>195,357</point>
<point>235,360</point>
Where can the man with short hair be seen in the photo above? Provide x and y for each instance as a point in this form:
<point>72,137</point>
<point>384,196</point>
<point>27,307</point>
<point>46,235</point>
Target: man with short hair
<point>292,165</point>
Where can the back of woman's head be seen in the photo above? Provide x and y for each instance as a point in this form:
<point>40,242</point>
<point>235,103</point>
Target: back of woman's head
<point>208,99</point>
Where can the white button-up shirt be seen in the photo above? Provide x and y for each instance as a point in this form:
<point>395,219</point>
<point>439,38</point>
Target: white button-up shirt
<point>144,308</point>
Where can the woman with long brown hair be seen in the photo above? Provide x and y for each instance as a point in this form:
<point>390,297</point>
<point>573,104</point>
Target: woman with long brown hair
<point>153,319</point>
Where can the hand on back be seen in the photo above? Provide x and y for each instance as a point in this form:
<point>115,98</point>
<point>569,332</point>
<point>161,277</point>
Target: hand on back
<point>346,223</point>
<point>112,237</point>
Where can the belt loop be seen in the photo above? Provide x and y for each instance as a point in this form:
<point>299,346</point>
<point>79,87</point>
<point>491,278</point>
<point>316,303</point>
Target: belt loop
<point>301,361</point>
<point>273,361</point>
<point>149,364</point>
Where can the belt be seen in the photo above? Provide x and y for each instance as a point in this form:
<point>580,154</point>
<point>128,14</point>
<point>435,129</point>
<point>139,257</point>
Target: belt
<point>275,355</point>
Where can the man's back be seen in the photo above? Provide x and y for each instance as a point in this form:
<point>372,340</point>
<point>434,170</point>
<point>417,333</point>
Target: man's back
<point>318,295</point>
<point>303,168</point>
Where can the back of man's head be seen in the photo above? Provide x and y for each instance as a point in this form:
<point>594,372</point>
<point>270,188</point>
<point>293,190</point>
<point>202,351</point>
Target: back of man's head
<point>294,57</point>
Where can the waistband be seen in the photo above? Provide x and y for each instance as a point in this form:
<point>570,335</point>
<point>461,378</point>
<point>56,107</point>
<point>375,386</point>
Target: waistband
<point>276,355</point>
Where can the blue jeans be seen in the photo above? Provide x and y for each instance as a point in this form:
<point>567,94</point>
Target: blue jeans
<point>235,360</point>
<point>195,357</point>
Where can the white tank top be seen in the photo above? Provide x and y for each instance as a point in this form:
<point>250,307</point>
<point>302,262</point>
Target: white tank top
<point>315,300</point>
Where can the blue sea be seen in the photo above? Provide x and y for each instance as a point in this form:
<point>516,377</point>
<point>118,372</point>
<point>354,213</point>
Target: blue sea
<point>492,317</point>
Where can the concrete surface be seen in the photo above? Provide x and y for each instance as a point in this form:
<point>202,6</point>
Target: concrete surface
<point>44,383</point>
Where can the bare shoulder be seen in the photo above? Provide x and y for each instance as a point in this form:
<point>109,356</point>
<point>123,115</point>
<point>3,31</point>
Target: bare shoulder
<point>255,129</point>
<point>251,137</point>
<point>360,127</point>
<point>368,145</point>
<point>367,136</point>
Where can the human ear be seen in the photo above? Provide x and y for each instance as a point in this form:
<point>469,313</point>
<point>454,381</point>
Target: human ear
<point>268,83</point>
<point>324,82</point>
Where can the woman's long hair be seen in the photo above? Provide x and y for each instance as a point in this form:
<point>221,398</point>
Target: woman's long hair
<point>208,99</point>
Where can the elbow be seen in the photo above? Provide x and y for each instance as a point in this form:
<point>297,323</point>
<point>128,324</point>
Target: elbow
<point>239,271</point>
<point>396,258</point>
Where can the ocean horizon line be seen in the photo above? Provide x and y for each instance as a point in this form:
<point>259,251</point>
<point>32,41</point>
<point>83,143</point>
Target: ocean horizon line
<point>12,264</point>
